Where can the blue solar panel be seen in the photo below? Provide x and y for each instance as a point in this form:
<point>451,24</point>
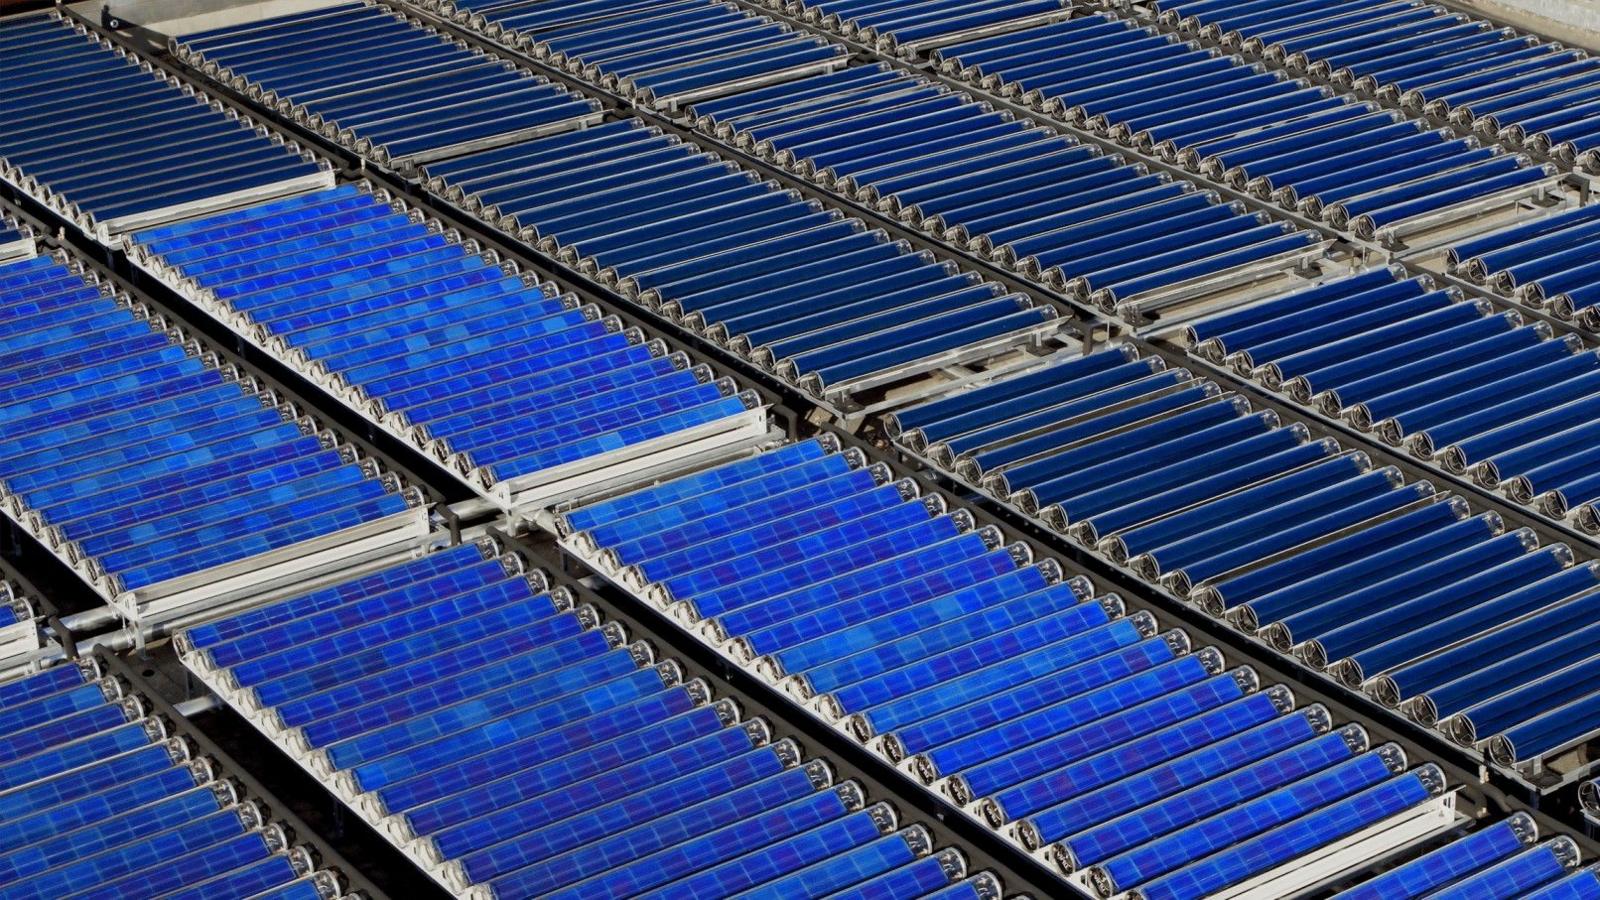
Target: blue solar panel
<point>473,360</point>
<point>532,759</point>
<point>88,152</point>
<point>201,477</point>
<point>449,96</point>
<point>824,301</point>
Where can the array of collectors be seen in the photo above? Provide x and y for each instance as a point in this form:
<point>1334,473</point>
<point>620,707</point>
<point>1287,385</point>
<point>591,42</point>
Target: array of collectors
<point>495,729</point>
<point>516,746</point>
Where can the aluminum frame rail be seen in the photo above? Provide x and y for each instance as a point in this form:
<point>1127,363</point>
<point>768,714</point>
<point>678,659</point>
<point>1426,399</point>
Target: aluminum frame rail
<point>105,796</point>
<point>1448,66</point>
<point>20,637</point>
<point>159,505</point>
<point>595,768</point>
<point>385,85</point>
<point>971,667</point>
<point>91,162</point>
<point>1174,481</point>
<point>525,395</point>
<point>16,241</point>
<point>1069,217</point>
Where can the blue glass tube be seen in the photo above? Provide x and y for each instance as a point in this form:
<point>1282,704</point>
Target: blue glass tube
<point>209,497</point>
<point>524,833</point>
<point>472,657</point>
<point>206,229</point>
<point>564,702</point>
<point>619,777</point>
<point>466,561</point>
<point>109,491</point>
<point>240,539</point>
<point>508,386</point>
<point>1245,328</point>
<point>782,857</point>
<point>914,879</point>
<point>629,435</point>
<point>1472,853</point>
<point>1247,587</point>
<point>839,499</point>
<point>36,686</point>
<point>1194,549</point>
<point>1308,623</point>
<point>113,800</point>
<point>199,257</point>
<point>1080,812</point>
<point>287,661</point>
<point>679,713</point>
<point>942,713</point>
<point>760,550</point>
<point>722,499</point>
<point>1032,638</point>
<point>432,751</point>
<point>1227,789</point>
<point>932,417</point>
<point>945,631</point>
<point>1316,587</point>
<point>1130,756</point>
<point>1024,473</point>
<point>134,856</point>
<point>1424,609</point>
<point>55,706</point>
<point>1316,829</point>
<point>309,887</point>
<point>657,834</point>
<point>637,502</point>
<point>1511,675</point>
<point>791,591</point>
<point>1541,727</point>
<point>532,615</point>
<point>481,435</point>
<point>60,731</point>
<point>1058,718</point>
<point>487,583</point>
<point>710,848</point>
<point>82,751</point>
<point>867,606</point>
<point>1182,448</point>
<point>1561,622</point>
<point>849,570</point>
<point>467,699</point>
<point>68,846</point>
<point>197,866</point>
<point>848,868</point>
<point>1473,620</point>
<point>87,780</point>
<point>1177,849</point>
<point>876,631</point>
<point>250,880</point>
<point>507,316</point>
<point>1583,885</point>
<point>1017,775</point>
